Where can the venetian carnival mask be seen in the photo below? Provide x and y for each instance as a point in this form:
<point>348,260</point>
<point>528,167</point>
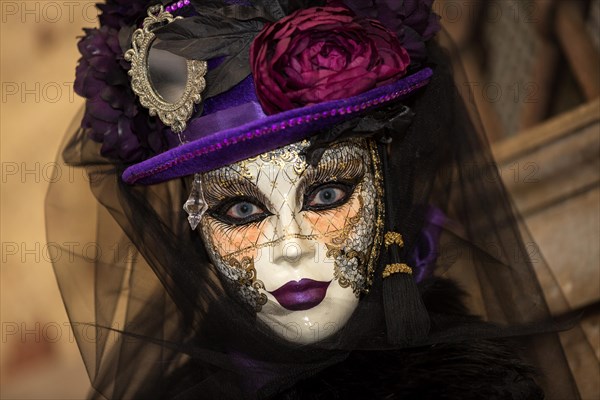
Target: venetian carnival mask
<point>294,242</point>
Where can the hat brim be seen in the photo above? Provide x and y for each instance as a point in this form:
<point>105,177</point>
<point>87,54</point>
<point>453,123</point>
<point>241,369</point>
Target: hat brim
<point>250,139</point>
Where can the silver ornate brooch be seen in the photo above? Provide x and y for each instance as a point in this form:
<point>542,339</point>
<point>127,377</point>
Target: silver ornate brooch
<point>168,85</point>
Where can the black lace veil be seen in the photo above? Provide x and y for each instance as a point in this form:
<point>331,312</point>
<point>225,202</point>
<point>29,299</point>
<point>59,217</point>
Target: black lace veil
<point>152,319</point>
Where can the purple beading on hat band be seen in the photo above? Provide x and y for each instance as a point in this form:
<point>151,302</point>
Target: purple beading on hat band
<point>177,5</point>
<point>265,134</point>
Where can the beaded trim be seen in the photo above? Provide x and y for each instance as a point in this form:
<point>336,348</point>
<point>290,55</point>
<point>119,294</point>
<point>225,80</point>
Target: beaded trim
<point>391,269</point>
<point>393,238</point>
<point>177,5</point>
<point>276,127</point>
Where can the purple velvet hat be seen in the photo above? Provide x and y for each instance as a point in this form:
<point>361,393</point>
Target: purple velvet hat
<point>274,76</point>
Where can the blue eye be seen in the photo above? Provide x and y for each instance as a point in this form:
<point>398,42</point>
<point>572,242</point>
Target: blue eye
<point>239,211</point>
<point>243,209</point>
<point>329,195</point>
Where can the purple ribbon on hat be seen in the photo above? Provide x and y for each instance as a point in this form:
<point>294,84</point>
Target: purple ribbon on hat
<point>223,119</point>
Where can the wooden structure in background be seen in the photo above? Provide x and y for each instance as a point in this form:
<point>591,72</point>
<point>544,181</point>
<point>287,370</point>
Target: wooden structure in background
<point>553,173</point>
<point>533,72</point>
<point>526,60</point>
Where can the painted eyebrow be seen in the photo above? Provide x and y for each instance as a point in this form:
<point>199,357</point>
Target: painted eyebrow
<point>222,185</point>
<point>332,169</point>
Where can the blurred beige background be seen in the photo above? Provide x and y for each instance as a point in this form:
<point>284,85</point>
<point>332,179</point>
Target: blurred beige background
<point>38,356</point>
<point>532,71</point>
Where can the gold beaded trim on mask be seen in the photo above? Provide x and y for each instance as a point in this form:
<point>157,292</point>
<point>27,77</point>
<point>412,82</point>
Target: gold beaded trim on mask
<point>391,269</point>
<point>380,220</point>
<point>393,237</point>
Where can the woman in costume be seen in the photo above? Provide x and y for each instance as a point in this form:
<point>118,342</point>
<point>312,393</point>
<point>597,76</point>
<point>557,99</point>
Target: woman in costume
<point>344,231</point>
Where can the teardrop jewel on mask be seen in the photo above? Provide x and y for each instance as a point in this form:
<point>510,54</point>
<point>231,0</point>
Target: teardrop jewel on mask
<point>195,205</point>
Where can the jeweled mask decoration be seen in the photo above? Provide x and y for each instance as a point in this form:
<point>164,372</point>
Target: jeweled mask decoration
<point>294,242</point>
<point>168,85</point>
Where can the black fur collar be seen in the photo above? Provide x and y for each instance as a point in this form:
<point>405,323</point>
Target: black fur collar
<point>477,369</point>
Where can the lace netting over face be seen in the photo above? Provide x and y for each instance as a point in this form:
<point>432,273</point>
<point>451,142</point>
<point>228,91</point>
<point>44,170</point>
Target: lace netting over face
<point>164,324</point>
<point>293,241</point>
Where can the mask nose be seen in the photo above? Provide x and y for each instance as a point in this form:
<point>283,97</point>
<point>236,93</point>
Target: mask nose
<point>295,245</point>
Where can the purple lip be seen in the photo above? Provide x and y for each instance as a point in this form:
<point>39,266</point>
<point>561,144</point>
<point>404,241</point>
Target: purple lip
<point>303,295</point>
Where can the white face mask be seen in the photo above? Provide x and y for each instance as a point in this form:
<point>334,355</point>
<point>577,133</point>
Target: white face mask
<point>293,242</point>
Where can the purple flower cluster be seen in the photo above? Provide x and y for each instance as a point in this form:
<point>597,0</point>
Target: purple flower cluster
<point>113,116</point>
<point>420,25</point>
<point>120,13</point>
<point>414,21</point>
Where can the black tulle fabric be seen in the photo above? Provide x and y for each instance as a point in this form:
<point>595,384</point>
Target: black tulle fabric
<point>152,319</point>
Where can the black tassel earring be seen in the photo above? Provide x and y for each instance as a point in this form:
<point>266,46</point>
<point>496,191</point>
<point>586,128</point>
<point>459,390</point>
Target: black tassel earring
<point>406,317</point>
